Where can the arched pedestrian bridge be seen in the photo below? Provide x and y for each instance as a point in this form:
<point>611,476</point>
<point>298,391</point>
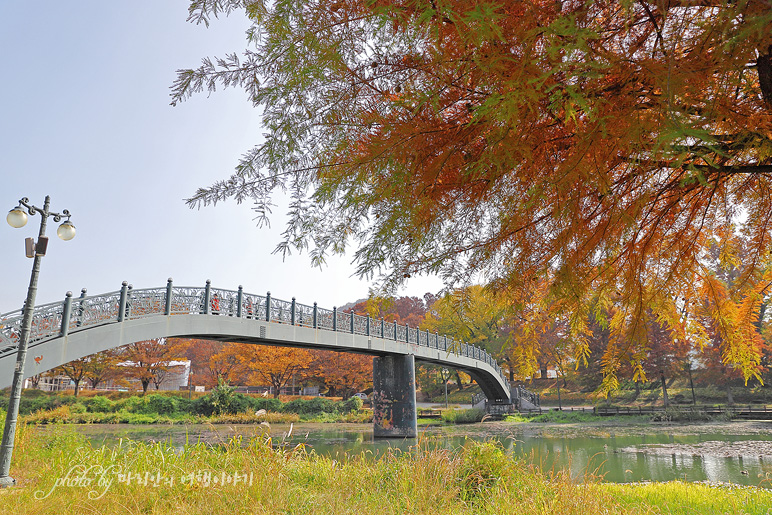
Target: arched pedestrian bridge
<point>78,327</point>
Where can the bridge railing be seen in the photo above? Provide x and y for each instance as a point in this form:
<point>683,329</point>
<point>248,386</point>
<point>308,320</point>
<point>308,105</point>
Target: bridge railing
<point>60,318</point>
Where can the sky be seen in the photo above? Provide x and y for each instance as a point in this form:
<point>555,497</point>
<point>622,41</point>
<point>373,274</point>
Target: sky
<point>85,118</point>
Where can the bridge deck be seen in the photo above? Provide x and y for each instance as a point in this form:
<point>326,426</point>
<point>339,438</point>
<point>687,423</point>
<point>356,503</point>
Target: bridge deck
<point>64,331</point>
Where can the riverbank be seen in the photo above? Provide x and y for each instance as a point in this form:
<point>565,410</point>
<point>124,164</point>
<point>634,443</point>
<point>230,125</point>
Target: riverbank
<point>59,472</point>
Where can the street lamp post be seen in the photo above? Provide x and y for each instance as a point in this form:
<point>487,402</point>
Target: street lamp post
<point>445,377</point>
<point>18,218</point>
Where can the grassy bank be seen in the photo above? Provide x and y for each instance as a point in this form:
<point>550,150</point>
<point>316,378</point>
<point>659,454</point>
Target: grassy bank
<point>222,405</point>
<point>59,473</point>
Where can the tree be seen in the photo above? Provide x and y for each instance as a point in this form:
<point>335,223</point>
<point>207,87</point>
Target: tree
<point>665,355</point>
<point>343,373</point>
<point>598,143</point>
<point>76,371</point>
<point>146,361</point>
<point>212,362</point>
<point>101,367</point>
<point>472,315</point>
<point>275,366</point>
<point>729,313</point>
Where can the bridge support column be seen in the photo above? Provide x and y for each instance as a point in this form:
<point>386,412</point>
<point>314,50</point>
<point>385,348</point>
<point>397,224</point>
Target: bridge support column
<point>394,407</point>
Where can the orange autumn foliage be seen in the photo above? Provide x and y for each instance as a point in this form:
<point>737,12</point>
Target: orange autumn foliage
<point>579,153</point>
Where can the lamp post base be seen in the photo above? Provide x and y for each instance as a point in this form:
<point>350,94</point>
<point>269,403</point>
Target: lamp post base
<point>7,481</point>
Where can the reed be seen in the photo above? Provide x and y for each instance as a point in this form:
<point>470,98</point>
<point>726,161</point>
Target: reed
<point>59,473</point>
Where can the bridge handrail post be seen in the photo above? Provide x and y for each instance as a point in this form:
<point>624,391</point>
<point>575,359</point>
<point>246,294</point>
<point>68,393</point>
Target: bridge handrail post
<point>407,333</point>
<point>128,300</point>
<point>207,297</point>
<point>382,329</point>
<point>122,301</point>
<point>239,301</point>
<point>268,307</point>
<point>335,319</point>
<point>292,312</point>
<point>168,306</point>
<point>66,310</point>
<point>315,316</point>
<point>81,307</point>
<point>351,318</point>
<point>395,331</point>
<point>367,327</point>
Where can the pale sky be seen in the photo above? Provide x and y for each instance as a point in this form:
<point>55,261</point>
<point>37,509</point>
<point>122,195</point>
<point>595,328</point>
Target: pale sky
<point>85,118</point>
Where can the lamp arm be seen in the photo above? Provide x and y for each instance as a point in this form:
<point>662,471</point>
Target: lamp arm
<point>32,209</point>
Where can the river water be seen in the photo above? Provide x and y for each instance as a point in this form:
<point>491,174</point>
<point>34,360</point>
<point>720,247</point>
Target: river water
<point>736,452</point>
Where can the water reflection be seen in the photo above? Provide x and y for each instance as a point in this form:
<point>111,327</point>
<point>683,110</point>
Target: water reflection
<point>616,458</point>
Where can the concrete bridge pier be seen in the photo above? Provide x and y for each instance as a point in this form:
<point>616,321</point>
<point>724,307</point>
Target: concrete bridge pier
<point>394,407</point>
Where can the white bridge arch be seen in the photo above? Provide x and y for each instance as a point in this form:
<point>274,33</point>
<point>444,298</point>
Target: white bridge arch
<point>78,327</point>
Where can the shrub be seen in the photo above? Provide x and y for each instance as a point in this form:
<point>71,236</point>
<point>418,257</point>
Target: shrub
<point>77,408</point>
<point>160,404</point>
<point>351,405</point>
<point>564,417</point>
<point>468,416</point>
<point>268,404</point>
<point>220,401</point>
<point>131,405</point>
<point>313,406</point>
<point>99,404</point>
<point>482,466</point>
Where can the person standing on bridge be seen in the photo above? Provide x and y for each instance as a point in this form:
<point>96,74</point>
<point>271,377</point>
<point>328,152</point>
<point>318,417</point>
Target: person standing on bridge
<point>249,307</point>
<point>215,304</point>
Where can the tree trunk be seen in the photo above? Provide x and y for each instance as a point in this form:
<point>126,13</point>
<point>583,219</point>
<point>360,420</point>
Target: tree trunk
<point>637,389</point>
<point>35,381</point>
<point>460,384</point>
<point>560,403</point>
<point>145,384</point>
<point>764,69</point>
<point>77,386</point>
<point>691,385</point>
<point>665,399</point>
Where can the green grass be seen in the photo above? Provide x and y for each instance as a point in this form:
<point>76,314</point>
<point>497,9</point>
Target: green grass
<point>68,415</point>
<point>222,405</point>
<point>690,499</point>
<point>463,416</point>
<point>275,478</point>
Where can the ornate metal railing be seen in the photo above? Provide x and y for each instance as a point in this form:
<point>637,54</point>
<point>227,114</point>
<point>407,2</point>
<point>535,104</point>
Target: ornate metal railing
<point>60,318</point>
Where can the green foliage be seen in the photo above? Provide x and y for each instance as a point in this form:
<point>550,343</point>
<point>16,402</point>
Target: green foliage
<point>477,478</point>
<point>221,398</point>
<point>465,416</point>
<point>266,403</point>
<point>222,403</point>
<point>311,406</point>
<point>36,402</point>
<point>482,466</point>
<point>352,404</point>
<point>564,417</point>
<point>160,404</point>
<point>99,404</point>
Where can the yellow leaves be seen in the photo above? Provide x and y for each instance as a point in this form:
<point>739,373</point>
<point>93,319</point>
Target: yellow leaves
<point>734,323</point>
<point>582,352</point>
